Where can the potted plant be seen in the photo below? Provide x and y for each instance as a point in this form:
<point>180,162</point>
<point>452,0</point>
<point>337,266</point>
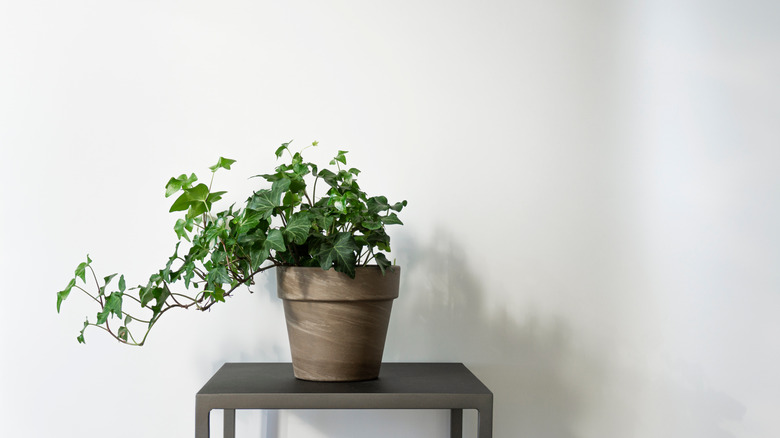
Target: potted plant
<point>335,280</point>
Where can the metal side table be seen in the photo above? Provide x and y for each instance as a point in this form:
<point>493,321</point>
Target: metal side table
<point>399,386</point>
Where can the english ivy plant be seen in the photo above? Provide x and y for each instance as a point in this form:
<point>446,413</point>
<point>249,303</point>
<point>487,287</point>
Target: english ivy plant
<point>285,224</point>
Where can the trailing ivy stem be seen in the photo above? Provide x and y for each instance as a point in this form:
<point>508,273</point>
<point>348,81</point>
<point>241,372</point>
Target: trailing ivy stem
<point>200,273</point>
<point>172,296</point>
<point>115,336</point>
<point>184,296</point>
<point>97,283</point>
<point>132,337</point>
<point>134,318</point>
<point>89,294</point>
<point>131,297</point>
<point>250,276</point>
<point>108,327</point>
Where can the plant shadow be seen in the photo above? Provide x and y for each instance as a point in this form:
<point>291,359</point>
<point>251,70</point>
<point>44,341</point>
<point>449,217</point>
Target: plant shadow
<point>442,316</point>
<point>520,355</point>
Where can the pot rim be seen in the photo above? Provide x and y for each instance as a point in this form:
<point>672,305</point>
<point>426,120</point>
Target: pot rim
<point>305,283</point>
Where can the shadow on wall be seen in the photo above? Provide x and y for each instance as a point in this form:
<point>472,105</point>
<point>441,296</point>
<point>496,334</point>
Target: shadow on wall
<point>521,356</point>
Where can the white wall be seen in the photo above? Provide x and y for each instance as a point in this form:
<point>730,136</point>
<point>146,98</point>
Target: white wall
<point>593,197</point>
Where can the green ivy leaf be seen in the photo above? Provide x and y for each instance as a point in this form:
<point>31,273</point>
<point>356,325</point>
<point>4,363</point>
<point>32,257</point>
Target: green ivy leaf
<point>196,209</point>
<point>377,204</point>
<point>398,206</point>
<point>298,227</point>
<point>81,269</point>
<point>181,203</point>
<point>391,219</point>
<point>247,221</point>
<point>218,294</point>
<point>166,272</point>
<point>214,197</point>
<point>218,275</point>
<point>382,262</point>
<point>189,272</point>
<point>160,295</point>
<point>291,200</point>
<point>379,238</point>
<point>265,201</point>
<point>122,333</point>
<point>281,186</point>
<point>122,285</point>
<point>193,195</point>
<point>80,337</point>
<point>176,184</point>
<point>181,229</point>
<point>280,149</point>
<point>102,316</point>
<point>146,294</point>
<point>258,254</point>
<point>63,294</point>
<point>339,254</point>
<point>198,193</point>
<point>114,304</point>
<point>372,225</point>
<point>340,157</point>
<point>275,241</point>
<point>223,163</point>
<point>107,279</point>
<point>329,177</point>
<point>250,239</point>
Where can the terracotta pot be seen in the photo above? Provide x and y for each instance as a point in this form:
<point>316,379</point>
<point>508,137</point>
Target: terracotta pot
<point>337,325</point>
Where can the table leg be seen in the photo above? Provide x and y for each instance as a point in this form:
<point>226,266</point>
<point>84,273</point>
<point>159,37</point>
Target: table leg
<point>201,421</point>
<point>229,425</point>
<point>485,421</point>
<point>456,423</point>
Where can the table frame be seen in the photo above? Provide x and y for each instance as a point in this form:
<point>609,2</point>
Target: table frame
<point>449,386</point>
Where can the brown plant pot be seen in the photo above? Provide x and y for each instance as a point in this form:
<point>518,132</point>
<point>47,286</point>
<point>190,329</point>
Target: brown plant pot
<point>337,325</point>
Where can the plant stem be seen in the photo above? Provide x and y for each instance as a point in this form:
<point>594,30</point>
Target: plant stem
<point>184,296</point>
<point>117,337</point>
<point>134,318</point>
<point>89,294</point>
<point>97,284</point>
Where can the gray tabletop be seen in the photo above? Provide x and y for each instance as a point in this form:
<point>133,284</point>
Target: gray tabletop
<point>394,378</point>
<point>399,386</point>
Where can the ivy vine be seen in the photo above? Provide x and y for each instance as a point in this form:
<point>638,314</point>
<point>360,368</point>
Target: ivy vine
<point>217,252</point>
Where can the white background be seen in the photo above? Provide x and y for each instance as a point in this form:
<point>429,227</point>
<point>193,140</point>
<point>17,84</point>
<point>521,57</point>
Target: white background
<point>593,202</point>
